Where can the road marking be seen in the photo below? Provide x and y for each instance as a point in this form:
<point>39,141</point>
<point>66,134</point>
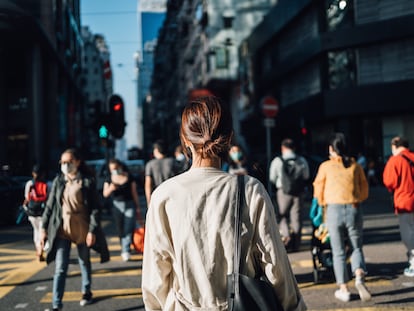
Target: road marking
<point>18,275</point>
<point>371,282</point>
<point>376,308</point>
<point>122,293</point>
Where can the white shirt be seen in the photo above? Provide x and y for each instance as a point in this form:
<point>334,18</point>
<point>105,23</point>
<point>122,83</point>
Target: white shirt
<point>275,170</point>
<point>189,244</point>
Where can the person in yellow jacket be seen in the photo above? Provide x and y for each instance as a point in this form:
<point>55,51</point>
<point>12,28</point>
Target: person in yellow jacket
<point>340,185</point>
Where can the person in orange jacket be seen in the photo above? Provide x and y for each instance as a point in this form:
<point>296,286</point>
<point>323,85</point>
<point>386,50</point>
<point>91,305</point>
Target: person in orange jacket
<point>398,177</point>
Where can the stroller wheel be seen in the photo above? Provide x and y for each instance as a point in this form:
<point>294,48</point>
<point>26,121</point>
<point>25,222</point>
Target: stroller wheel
<point>315,276</point>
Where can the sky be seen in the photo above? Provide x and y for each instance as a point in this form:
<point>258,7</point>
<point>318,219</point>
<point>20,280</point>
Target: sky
<point>117,21</point>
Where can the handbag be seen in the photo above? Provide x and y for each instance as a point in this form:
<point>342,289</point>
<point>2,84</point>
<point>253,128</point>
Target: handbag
<point>138,239</point>
<point>35,208</point>
<point>245,293</point>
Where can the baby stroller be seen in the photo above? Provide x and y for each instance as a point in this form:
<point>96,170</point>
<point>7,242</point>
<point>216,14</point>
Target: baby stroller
<point>320,245</point>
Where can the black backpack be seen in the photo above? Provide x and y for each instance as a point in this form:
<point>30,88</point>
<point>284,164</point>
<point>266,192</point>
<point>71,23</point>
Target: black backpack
<point>292,176</point>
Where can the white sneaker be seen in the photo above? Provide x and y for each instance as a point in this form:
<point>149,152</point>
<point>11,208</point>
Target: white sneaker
<point>342,295</point>
<point>126,256</point>
<point>409,271</point>
<point>363,292</point>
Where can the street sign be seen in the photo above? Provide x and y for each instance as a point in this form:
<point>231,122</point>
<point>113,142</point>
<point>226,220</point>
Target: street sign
<point>270,106</point>
<point>269,122</point>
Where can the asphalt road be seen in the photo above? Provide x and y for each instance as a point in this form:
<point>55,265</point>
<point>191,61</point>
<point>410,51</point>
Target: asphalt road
<point>27,285</point>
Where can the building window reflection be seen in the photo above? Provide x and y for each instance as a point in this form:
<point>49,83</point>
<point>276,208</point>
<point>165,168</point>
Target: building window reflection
<point>342,69</point>
<point>339,14</point>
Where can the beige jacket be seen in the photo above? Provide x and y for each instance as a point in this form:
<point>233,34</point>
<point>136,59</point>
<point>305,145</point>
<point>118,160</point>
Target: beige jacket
<point>189,243</point>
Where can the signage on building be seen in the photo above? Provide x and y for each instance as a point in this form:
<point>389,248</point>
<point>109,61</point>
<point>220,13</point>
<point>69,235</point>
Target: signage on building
<point>155,6</point>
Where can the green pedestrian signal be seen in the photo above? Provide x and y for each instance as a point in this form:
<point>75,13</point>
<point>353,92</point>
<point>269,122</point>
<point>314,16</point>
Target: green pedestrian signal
<point>103,132</point>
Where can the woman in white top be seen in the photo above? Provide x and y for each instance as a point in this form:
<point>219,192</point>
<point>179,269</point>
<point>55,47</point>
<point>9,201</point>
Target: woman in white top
<point>189,246</point>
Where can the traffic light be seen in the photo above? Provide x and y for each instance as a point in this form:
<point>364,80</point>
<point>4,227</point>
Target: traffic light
<point>116,122</point>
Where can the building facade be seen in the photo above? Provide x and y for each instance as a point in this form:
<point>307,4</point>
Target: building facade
<point>97,85</point>
<point>44,108</point>
<point>333,66</point>
<point>40,61</point>
<point>198,50</point>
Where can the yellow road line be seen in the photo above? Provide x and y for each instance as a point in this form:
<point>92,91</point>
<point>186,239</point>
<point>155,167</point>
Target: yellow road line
<point>123,293</point>
<point>109,272</point>
<point>18,276</point>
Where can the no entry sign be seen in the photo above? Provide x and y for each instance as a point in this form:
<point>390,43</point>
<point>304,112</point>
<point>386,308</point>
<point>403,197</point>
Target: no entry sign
<point>270,106</point>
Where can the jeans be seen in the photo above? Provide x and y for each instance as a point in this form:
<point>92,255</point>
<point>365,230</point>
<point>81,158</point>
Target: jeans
<point>406,221</point>
<point>345,221</point>
<point>125,221</point>
<point>61,267</point>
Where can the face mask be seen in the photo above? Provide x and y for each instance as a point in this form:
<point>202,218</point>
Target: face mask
<point>68,168</point>
<point>236,156</point>
<point>116,172</point>
<point>180,157</point>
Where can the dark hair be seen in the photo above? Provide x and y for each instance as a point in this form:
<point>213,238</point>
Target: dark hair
<point>207,124</point>
<point>37,169</point>
<point>161,146</point>
<point>399,142</point>
<point>118,163</point>
<point>83,168</point>
<point>288,143</point>
<point>338,144</point>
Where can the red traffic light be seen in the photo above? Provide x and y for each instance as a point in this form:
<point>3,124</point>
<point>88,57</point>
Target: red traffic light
<point>304,131</point>
<point>117,106</point>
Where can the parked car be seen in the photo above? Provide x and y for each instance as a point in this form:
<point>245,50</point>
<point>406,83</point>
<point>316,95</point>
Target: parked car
<point>11,197</point>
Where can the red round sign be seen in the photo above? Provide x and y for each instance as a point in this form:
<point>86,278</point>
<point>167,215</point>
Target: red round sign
<point>270,106</point>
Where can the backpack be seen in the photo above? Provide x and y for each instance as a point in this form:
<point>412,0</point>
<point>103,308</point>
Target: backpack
<point>37,198</point>
<point>292,176</point>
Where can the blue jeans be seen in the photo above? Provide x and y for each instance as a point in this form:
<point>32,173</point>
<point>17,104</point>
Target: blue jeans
<point>61,268</point>
<point>125,221</point>
<point>343,221</point>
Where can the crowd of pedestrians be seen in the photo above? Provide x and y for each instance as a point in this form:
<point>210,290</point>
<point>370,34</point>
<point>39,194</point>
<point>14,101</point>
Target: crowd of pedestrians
<point>190,194</point>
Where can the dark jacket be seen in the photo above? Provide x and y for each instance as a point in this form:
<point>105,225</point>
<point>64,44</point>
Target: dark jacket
<point>52,215</point>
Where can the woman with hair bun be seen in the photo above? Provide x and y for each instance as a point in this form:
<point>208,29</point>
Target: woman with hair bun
<point>189,240</point>
<point>341,186</point>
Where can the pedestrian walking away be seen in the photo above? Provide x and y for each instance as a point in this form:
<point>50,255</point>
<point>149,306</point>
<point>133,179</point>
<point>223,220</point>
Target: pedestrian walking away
<point>35,195</point>
<point>340,185</point>
<point>72,216</point>
<point>190,227</point>
<point>398,178</point>
<point>125,204</point>
<point>288,173</point>
<point>158,169</point>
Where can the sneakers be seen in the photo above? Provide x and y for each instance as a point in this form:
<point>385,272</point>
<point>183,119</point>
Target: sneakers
<point>86,299</point>
<point>363,292</point>
<point>409,271</point>
<point>342,295</point>
<point>126,256</point>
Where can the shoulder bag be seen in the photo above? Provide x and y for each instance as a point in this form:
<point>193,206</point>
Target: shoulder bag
<point>245,293</point>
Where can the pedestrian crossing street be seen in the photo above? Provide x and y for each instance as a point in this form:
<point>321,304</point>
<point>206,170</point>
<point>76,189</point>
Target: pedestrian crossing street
<point>18,265</point>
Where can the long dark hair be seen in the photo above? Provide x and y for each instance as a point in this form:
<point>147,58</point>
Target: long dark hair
<point>338,144</point>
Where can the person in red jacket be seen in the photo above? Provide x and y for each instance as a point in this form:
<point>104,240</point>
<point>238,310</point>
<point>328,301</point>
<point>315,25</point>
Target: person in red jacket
<point>398,177</point>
